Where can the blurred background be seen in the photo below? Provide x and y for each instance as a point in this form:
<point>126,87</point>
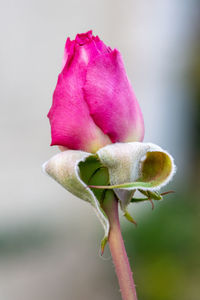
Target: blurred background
<point>49,240</point>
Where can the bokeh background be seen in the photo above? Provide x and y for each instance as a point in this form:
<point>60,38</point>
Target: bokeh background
<point>49,240</point>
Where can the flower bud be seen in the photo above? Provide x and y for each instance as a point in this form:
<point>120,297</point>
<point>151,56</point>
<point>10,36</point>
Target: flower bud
<point>93,103</point>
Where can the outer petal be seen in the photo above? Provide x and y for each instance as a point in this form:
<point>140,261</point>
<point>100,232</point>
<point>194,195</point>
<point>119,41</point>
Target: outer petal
<point>84,38</point>
<point>100,45</point>
<point>71,123</point>
<point>111,100</point>
<point>135,165</point>
<point>87,41</point>
<point>91,46</point>
<point>64,168</point>
<point>68,52</point>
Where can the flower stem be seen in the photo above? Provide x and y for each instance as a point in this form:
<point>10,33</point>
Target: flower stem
<point>118,251</point>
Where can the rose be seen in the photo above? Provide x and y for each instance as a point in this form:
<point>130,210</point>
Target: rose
<point>93,106</point>
<point>93,103</point>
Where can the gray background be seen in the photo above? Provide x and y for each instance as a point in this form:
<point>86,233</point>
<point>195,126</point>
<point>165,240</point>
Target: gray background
<point>154,39</point>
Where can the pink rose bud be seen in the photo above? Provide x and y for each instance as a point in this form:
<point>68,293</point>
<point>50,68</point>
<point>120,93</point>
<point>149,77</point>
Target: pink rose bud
<point>93,103</point>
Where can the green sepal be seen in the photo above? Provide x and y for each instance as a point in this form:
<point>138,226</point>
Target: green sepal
<point>74,170</point>
<point>150,196</point>
<point>135,200</point>
<point>153,195</point>
<point>155,167</point>
<point>103,244</point>
<point>129,217</point>
<point>121,167</point>
<point>92,172</point>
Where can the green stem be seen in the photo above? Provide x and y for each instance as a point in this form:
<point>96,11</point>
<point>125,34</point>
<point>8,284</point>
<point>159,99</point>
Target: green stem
<point>118,251</point>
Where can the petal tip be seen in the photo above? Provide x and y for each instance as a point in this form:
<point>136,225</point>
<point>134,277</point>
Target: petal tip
<point>83,38</point>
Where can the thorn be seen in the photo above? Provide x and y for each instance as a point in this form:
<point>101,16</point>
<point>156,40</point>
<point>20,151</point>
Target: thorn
<point>152,204</point>
<point>169,192</point>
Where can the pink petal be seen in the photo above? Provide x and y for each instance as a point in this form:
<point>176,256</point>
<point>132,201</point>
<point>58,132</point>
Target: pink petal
<point>83,38</point>
<point>100,45</point>
<point>112,103</point>
<point>68,52</point>
<point>71,123</point>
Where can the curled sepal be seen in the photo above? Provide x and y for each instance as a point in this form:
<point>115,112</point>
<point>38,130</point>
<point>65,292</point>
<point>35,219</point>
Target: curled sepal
<point>132,166</point>
<point>66,167</point>
<point>150,196</point>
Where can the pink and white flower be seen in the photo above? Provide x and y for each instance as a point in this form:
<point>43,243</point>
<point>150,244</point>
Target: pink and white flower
<point>93,103</point>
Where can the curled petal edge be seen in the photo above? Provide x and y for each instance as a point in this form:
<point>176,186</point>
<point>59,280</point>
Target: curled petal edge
<point>64,168</point>
<point>145,166</point>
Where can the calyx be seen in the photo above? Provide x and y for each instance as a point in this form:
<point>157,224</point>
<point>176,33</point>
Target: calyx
<point>122,168</point>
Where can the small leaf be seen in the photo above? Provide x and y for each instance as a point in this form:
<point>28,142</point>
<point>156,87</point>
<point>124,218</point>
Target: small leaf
<point>135,200</point>
<point>151,195</point>
<point>103,244</point>
<point>129,217</point>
